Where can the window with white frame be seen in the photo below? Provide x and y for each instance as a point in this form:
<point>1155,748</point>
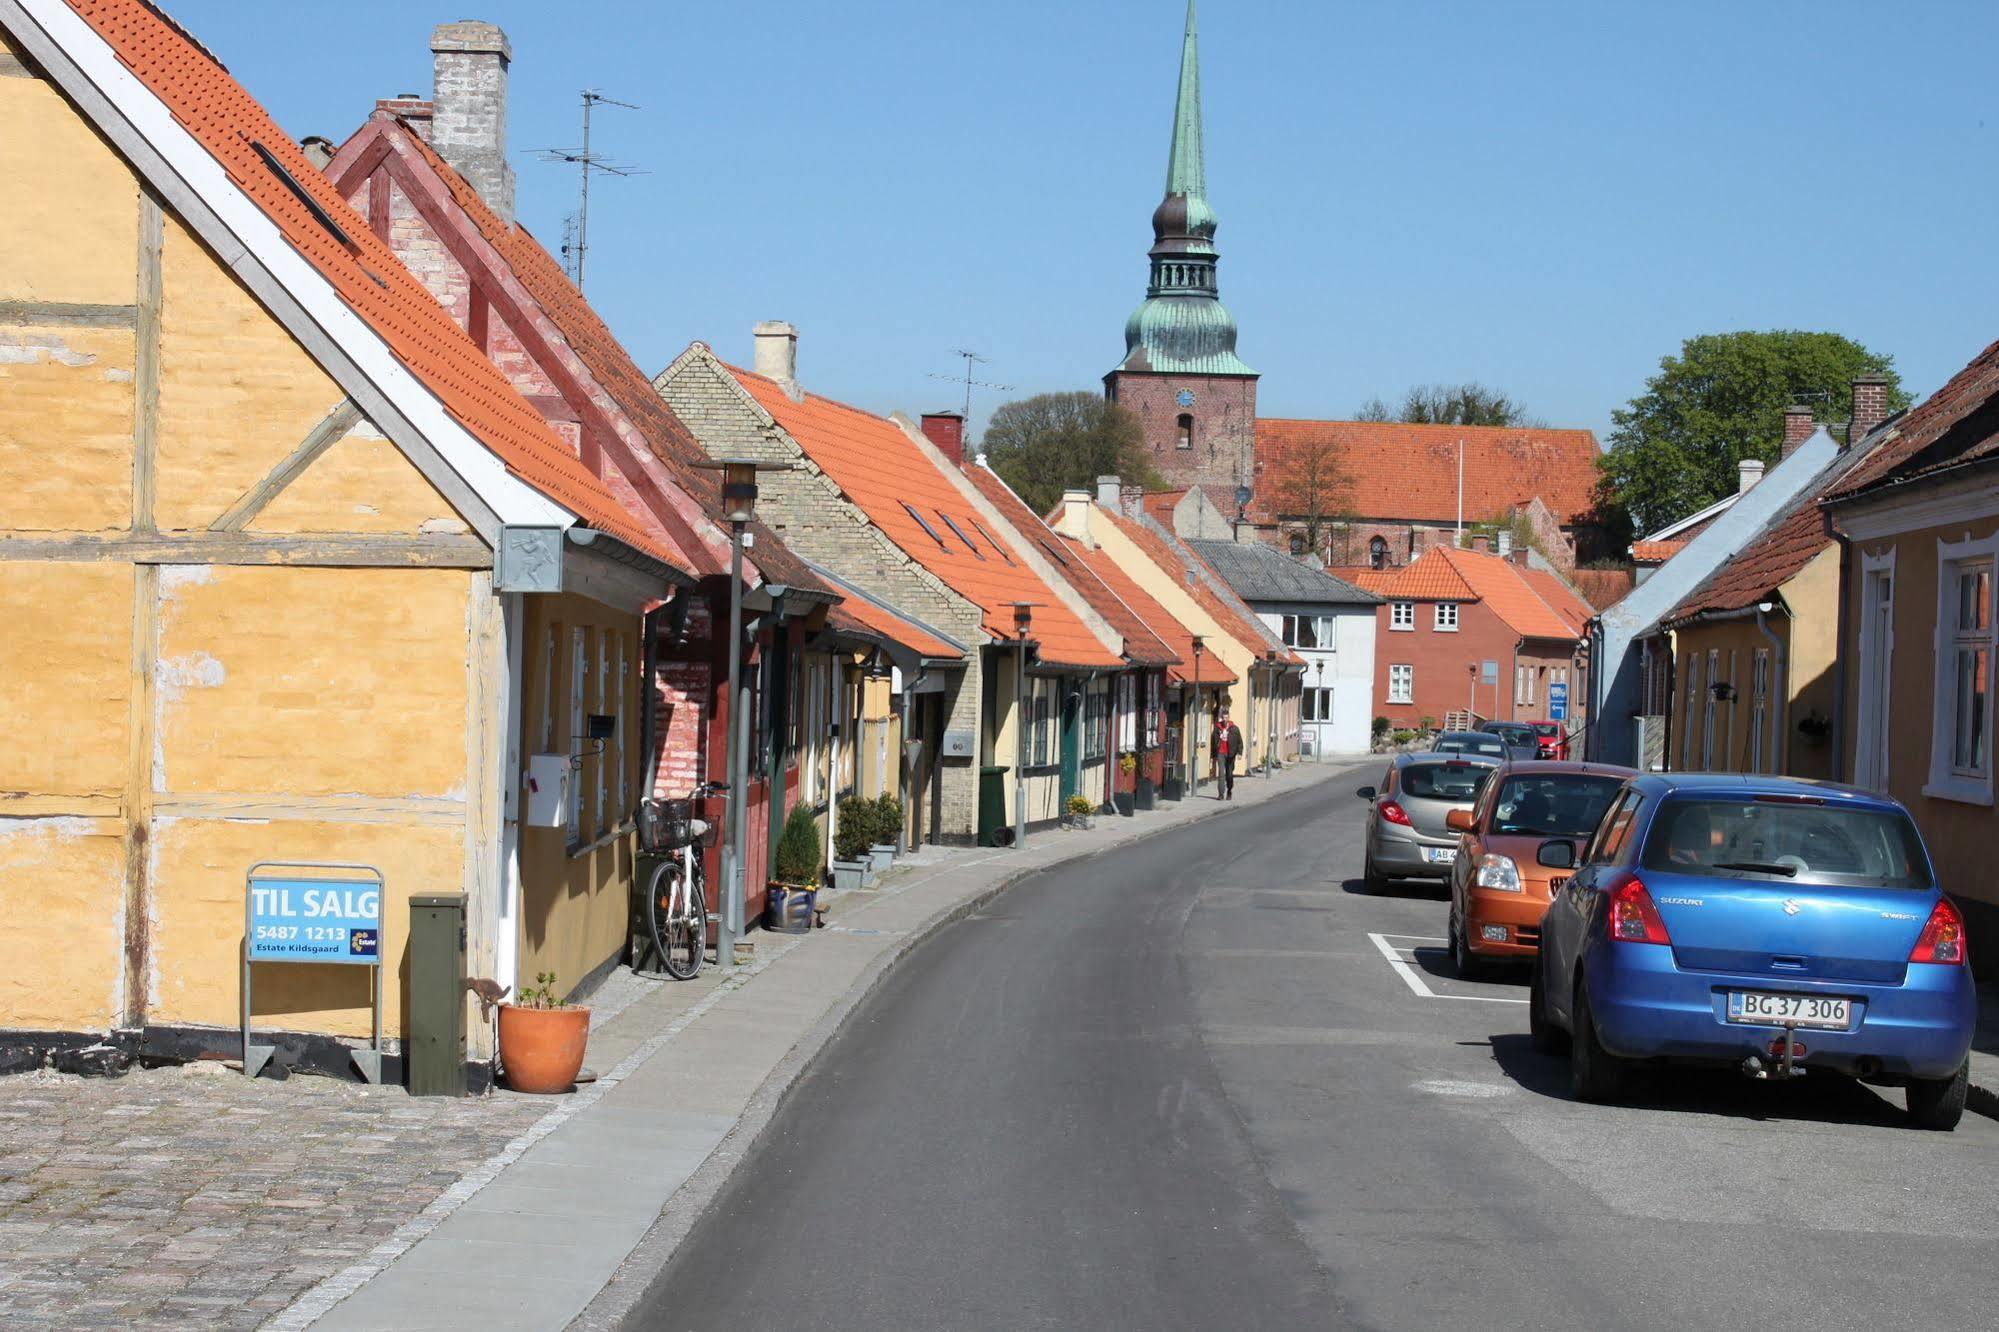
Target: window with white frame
<point>1401,684</point>
<point>1961,739</point>
<point>1301,631</point>
<point>1877,651</point>
<point>1096,719</point>
<point>1127,712</point>
<point>1315,704</point>
<point>1401,615</point>
<point>1155,720</point>
<point>1447,617</point>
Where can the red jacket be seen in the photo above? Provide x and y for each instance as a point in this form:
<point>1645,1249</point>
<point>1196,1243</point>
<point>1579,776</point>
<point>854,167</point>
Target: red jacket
<point>1234,736</point>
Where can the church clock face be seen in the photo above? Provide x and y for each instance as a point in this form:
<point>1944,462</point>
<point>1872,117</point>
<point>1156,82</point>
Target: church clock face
<point>1185,398</point>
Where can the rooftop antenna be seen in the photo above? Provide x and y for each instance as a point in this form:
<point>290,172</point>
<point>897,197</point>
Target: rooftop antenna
<point>573,249</point>
<point>971,358</point>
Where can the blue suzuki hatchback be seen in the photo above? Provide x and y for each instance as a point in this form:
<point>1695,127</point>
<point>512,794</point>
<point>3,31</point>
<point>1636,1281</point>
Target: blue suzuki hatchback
<point>1761,923</point>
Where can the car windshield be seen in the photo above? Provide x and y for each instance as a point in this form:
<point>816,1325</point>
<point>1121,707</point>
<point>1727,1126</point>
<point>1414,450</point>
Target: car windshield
<point>1513,735</point>
<point>1552,730</point>
<point>1444,781</point>
<point>1788,840</point>
<point>1556,805</point>
<point>1471,744</point>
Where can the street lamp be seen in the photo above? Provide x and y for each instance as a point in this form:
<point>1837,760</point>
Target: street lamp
<point>1194,720</point>
<point>739,506</point>
<point>1023,617</point>
<point>1319,710</point>
<point>1270,706</point>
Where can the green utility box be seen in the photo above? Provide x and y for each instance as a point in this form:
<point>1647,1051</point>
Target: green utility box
<point>434,1052</point>
<point>992,807</point>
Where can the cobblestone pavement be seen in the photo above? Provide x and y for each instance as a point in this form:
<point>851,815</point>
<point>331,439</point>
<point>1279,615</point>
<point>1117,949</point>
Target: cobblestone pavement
<point>197,1196</point>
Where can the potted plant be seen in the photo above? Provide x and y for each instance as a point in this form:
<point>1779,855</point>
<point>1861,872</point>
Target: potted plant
<point>1145,794</point>
<point>1079,810</point>
<point>888,830</point>
<point>791,896</point>
<point>1125,797</point>
<point>542,1039</point>
<point>853,840</point>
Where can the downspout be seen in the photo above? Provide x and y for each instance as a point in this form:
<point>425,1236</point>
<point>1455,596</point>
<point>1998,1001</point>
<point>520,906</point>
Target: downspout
<point>1644,704</point>
<point>1779,688</point>
<point>834,675</point>
<point>1513,708</point>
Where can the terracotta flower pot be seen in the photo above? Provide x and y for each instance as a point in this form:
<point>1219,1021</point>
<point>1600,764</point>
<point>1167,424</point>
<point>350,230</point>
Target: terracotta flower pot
<point>541,1049</point>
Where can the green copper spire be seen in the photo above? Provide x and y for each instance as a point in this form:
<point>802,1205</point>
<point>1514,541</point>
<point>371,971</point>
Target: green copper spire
<point>1183,328</point>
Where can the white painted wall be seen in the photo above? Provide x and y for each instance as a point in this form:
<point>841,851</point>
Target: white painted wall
<point>1346,668</point>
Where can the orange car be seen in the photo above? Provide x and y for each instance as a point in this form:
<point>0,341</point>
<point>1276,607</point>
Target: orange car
<point>1519,843</point>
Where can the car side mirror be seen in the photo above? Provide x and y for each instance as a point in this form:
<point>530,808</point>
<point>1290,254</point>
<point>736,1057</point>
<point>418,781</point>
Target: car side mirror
<point>1460,820</point>
<point>1366,793</point>
<point>1557,854</point>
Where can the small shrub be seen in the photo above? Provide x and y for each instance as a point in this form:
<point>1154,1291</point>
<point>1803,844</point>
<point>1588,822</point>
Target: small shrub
<point>1380,727</point>
<point>888,819</point>
<point>798,860</point>
<point>542,994</point>
<point>1403,737</point>
<point>1079,806</point>
<point>855,831</point>
<point>1429,723</point>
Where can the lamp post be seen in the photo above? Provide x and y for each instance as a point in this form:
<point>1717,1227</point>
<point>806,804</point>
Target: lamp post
<point>1319,710</point>
<point>739,506</point>
<point>1270,707</point>
<point>1194,721</point>
<point>1023,617</point>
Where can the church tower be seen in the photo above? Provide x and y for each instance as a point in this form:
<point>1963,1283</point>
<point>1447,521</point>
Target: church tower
<point>1180,374</point>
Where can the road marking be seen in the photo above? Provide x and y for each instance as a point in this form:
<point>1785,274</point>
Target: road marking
<point>1415,982</point>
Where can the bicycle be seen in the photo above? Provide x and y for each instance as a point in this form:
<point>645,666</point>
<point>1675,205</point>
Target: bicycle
<point>677,893</point>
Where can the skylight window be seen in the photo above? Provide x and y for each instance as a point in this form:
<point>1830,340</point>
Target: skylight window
<point>910,509</point>
<point>304,196</point>
<point>989,540</point>
<point>1055,554</point>
<point>969,543</point>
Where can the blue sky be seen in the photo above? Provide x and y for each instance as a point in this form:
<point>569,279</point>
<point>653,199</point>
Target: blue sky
<point>1546,197</point>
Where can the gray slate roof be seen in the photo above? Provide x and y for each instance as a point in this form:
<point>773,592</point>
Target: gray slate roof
<point>1258,572</point>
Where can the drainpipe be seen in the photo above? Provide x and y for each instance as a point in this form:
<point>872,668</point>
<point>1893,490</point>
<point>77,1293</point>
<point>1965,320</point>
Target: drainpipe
<point>1514,706</point>
<point>834,676</point>
<point>1644,704</point>
<point>1779,687</point>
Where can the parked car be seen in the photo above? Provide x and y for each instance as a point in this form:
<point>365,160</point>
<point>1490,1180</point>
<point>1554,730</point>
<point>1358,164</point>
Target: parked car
<point>1760,923</point>
<point>1406,833</point>
<point>1469,742</point>
<point>1499,887</point>
<point>1553,737</point>
<point>1519,738</point>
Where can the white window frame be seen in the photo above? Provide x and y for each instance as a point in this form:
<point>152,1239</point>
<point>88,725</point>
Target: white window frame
<point>1402,616</point>
<point>1445,620</point>
<point>1877,657</point>
<point>1401,683</point>
<point>1947,781</point>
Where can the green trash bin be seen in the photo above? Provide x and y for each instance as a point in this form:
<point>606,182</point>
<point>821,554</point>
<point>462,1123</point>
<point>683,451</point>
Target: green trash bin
<point>994,828</point>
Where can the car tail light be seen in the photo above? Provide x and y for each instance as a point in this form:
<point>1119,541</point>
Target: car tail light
<point>1394,813</point>
<point>1633,918</point>
<point>1942,939</point>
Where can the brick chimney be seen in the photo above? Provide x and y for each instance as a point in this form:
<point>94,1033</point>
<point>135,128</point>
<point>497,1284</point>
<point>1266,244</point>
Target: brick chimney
<point>418,111</point>
<point>947,431</point>
<point>469,98</point>
<point>1870,406</point>
<point>1747,473</point>
<point>776,355</point>
<point>1798,427</point>
<point>1481,543</point>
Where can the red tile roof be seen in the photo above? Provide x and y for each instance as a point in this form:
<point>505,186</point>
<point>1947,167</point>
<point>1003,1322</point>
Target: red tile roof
<point>1655,552</point>
<point>1410,472</point>
<point>1959,423</point>
<point>1240,625</point>
<point>1424,580</point>
<point>1765,564</point>
<point>876,618</point>
<point>1532,602</point>
<point>227,121</point>
<point>1603,588</point>
<point>1142,646</point>
<point>884,473</point>
<point>1561,598</point>
<point>1159,505</point>
<point>1177,637</point>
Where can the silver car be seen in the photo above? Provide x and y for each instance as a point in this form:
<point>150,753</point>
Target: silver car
<point>1406,836</point>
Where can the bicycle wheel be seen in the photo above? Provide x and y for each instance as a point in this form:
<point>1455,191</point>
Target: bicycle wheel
<point>674,937</point>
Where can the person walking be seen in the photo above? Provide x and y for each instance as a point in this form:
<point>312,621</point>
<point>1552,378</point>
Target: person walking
<point>1223,747</point>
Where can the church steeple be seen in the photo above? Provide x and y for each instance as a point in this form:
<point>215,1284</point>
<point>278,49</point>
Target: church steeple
<point>1182,327</point>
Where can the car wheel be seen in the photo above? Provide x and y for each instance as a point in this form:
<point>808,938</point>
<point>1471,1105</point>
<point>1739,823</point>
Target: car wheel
<point>1371,879</point>
<point>1463,961</point>
<point>1938,1103</point>
<point>1548,1038</point>
<point>1595,1074</point>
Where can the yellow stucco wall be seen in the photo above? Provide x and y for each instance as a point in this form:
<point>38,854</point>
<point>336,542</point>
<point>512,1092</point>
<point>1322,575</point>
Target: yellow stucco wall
<point>1813,596</point>
<point>66,435</point>
<point>65,680</point>
<point>61,950</point>
<point>360,484</point>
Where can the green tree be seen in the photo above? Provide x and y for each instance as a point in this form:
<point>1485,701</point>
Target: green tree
<point>1470,403</point>
<point>1674,448</point>
<point>1053,442</point>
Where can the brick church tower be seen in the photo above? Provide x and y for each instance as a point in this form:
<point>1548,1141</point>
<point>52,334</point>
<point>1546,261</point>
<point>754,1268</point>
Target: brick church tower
<point>1180,372</point>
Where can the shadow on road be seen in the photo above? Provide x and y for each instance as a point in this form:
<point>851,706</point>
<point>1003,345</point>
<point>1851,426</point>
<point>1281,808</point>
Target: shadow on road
<point>1425,890</point>
<point>1819,1098</point>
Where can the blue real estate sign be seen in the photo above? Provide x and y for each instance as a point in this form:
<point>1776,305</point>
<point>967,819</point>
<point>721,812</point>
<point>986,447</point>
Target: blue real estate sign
<point>315,920</point>
<point>1558,702</point>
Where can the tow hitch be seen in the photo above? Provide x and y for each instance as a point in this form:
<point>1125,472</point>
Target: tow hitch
<point>1786,1051</point>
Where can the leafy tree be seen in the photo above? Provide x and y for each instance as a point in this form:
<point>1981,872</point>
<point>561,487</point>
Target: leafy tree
<point>1470,403</point>
<point>1053,442</point>
<point>1674,448</point>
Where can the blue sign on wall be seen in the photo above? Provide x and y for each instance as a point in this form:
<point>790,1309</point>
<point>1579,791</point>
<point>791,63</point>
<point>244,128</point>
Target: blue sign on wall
<point>1558,702</point>
<point>315,920</point>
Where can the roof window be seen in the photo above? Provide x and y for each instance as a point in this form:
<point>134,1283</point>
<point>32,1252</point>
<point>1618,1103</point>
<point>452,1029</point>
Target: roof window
<point>910,509</point>
<point>989,539</point>
<point>969,543</point>
<point>299,192</point>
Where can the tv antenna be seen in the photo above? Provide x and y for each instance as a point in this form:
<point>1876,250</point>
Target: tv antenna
<point>972,358</point>
<point>576,230</point>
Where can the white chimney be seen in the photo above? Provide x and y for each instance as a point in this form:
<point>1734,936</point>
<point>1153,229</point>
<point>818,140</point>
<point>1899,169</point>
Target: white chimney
<point>1108,492</point>
<point>1749,472</point>
<point>1505,543</point>
<point>1074,519</point>
<point>777,351</point>
<point>469,118</point>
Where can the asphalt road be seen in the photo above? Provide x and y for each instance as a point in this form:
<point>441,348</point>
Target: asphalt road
<point>1184,1086</point>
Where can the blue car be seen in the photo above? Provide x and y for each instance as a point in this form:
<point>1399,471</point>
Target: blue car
<point>1762,923</point>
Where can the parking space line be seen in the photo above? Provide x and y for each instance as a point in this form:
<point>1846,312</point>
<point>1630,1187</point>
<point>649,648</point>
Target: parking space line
<point>1415,982</point>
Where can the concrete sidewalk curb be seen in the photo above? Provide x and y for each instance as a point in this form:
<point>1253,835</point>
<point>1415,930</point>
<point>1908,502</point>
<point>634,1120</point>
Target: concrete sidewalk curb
<point>634,1280</point>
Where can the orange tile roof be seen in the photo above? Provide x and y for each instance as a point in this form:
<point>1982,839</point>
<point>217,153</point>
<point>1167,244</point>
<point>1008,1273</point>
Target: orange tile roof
<point>1410,472</point>
<point>1241,625</point>
<point>226,121</point>
<point>1564,600</point>
<point>1424,580</point>
<point>1159,504</point>
<point>1178,637</point>
<point>1656,552</point>
<point>1142,647</point>
<point>884,473</point>
<point>860,612</point>
<point>1506,591</point>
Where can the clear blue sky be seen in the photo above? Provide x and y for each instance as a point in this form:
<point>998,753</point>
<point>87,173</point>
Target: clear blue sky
<point>1546,197</point>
